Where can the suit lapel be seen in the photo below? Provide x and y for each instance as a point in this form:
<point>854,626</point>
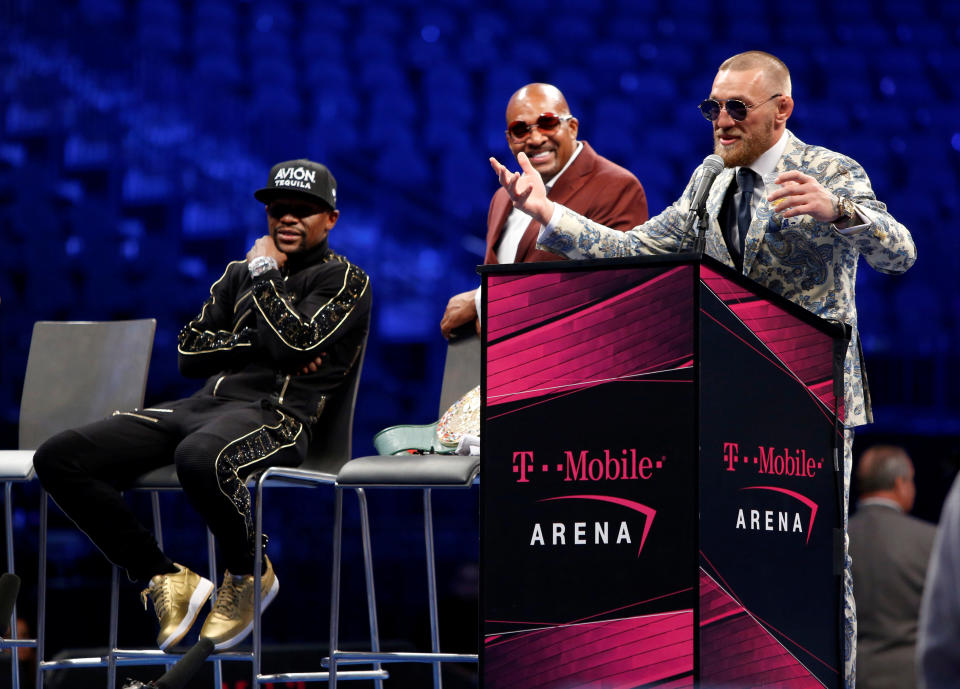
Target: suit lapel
<point>574,176</point>
<point>527,241</point>
<point>716,247</point>
<point>570,181</point>
<point>499,213</point>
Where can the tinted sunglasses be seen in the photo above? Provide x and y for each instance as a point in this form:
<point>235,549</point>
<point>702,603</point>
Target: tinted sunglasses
<point>547,122</point>
<point>737,109</point>
<point>278,209</point>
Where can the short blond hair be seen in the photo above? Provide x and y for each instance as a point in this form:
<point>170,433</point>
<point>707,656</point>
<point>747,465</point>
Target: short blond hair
<point>773,68</point>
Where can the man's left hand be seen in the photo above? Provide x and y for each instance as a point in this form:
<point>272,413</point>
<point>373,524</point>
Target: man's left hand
<point>803,195</point>
<point>312,366</point>
<point>265,246</point>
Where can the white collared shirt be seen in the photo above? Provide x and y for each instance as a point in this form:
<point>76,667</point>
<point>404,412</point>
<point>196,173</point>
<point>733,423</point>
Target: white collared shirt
<point>517,221</point>
<point>763,165</point>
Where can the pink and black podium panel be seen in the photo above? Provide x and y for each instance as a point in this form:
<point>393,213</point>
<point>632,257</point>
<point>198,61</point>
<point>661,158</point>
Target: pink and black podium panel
<point>660,504</point>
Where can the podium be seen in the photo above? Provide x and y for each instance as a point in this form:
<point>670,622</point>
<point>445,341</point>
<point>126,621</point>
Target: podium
<point>661,497</point>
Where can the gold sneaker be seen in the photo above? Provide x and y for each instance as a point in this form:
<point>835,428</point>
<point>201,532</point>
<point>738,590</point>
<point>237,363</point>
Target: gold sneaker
<point>232,616</point>
<point>177,599</point>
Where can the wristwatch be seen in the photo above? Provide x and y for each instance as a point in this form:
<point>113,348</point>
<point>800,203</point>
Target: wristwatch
<point>260,265</point>
<point>845,210</point>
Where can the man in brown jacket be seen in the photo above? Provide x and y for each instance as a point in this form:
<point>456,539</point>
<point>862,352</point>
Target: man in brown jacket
<point>539,123</point>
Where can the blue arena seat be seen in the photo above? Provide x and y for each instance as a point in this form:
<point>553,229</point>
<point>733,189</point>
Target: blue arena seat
<point>502,80</point>
<point>273,71</point>
<point>215,13</point>
<point>612,127</point>
<point>214,71</point>
<point>576,84</point>
<point>160,26</point>
<point>271,17</point>
<point>533,53</point>
<point>402,162</point>
<point>631,28</point>
<point>903,10</point>
<point>576,28</point>
<point>382,19</point>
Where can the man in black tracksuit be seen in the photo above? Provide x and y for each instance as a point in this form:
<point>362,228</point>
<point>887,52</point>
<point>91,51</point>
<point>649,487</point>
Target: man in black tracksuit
<point>276,337</point>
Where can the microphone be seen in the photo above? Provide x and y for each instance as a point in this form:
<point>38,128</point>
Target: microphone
<point>178,676</point>
<point>9,588</point>
<point>712,165</point>
<point>181,673</point>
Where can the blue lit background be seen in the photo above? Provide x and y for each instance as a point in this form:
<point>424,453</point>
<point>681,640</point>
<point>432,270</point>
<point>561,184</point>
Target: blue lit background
<point>133,134</point>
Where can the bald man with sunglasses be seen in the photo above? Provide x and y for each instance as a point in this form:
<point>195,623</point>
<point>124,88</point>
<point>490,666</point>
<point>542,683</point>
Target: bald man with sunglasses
<point>802,239</point>
<point>540,126</point>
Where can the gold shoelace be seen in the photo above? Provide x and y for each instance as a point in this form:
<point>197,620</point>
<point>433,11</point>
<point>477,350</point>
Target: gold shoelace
<point>227,595</point>
<point>159,596</point>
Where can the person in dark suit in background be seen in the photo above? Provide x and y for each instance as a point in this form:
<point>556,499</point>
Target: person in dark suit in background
<point>540,125</point>
<point>938,640</point>
<point>890,551</point>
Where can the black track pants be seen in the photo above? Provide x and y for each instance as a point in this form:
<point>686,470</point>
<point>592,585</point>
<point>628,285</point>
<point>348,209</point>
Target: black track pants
<point>216,445</point>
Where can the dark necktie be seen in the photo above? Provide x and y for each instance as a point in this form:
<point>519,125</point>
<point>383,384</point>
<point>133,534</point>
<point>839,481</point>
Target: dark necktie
<point>745,177</point>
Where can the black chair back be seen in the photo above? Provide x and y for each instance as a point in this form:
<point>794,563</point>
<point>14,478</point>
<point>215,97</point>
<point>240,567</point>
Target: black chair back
<point>332,440</point>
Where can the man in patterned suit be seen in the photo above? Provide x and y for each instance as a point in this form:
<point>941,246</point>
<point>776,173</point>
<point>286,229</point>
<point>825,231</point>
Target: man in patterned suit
<point>275,339</point>
<point>802,240</point>
<point>539,124</point>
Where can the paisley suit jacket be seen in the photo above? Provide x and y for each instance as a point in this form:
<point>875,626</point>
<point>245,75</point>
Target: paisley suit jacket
<point>812,264</point>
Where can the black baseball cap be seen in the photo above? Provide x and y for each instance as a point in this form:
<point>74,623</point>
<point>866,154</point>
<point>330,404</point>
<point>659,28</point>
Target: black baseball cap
<point>300,177</point>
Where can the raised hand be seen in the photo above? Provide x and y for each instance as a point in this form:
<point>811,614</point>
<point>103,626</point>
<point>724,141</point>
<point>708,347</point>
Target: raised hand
<point>266,246</point>
<point>526,188</point>
<point>801,194</point>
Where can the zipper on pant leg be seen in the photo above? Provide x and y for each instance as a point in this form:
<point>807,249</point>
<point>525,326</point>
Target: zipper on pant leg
<point>135,415</point>
<point>283,390</point>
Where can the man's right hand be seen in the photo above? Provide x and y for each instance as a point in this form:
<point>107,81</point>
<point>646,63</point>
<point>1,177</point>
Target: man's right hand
<point>460,309</point>
<point>265,246</point>
<point>526,189</point>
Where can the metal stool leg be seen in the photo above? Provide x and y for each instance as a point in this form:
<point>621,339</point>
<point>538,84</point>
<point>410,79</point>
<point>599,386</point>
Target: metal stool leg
<point>14,658</point>
<point>335,585</point>
<point>42,588</point>
<point>368,575</point>
<point>157,533</point>
<point>432,584</point>
<point>257,582</point>
<point>212,561</point>
<point>114,624</point>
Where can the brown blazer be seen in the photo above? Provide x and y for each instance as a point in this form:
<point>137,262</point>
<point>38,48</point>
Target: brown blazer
<point>592,186</point>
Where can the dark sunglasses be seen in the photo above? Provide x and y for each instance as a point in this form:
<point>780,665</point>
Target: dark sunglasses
<point>737,109</point>
<point>278,209</point>
<point>547,122</point>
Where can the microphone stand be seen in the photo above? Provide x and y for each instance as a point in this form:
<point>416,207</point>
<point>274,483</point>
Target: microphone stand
<point>698,217</point>
<point>700,244</point>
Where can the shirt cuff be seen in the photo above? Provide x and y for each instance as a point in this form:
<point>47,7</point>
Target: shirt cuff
<point>476,300</point>
<point>863,220</point>
<point>550,228</point>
